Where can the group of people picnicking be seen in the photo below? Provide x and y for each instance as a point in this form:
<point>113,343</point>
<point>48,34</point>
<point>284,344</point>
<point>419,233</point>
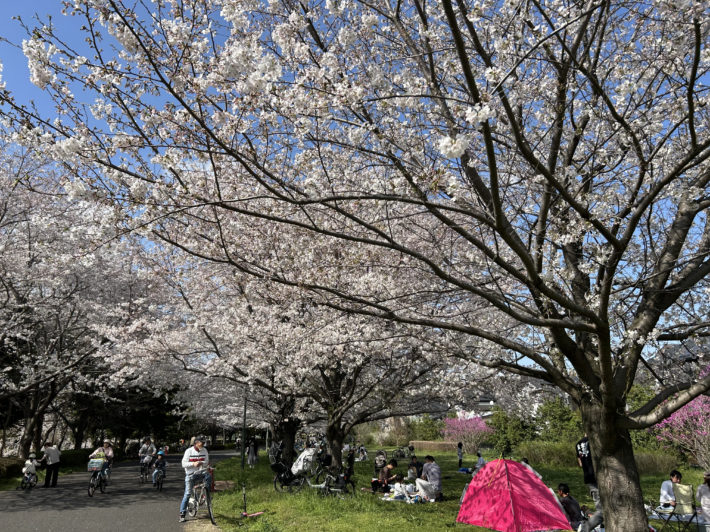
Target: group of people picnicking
<point>424,481</point>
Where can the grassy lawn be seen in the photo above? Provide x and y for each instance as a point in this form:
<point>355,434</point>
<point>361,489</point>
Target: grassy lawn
<point>308,510</point>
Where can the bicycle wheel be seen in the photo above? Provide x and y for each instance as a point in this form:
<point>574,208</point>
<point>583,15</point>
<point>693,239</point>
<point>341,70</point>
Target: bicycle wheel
<point>278,486</point>
<point>160,482</point>
<point>102,483</point>
<point>192,505</point>
<point>92,485</point>
<point>208,502</point>
<point>33,481</point>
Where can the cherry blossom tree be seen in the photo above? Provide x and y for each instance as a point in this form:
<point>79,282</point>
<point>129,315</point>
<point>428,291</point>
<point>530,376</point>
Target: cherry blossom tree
<point>533,177</point>
<point>687,428</point>
<point>470,431</point>
<point>298,363</point>
<point>60,288</point>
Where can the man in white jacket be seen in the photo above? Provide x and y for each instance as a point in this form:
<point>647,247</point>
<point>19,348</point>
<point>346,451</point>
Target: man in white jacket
<point>195,462</point>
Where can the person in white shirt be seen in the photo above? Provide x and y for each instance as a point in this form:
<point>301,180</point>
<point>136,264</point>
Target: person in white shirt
<point>51,458</point>
<point>400,489</point>
<point>147,449</point>
<point>194,462</point>
<point>667,498</point>
<point>703,497</point>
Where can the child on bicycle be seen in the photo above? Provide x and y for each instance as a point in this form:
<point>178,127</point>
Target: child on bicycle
<point>30,468</point>
<point>160,465</point>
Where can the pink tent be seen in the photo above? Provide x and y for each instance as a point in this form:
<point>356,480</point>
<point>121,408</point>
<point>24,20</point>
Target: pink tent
<point>507,496</point>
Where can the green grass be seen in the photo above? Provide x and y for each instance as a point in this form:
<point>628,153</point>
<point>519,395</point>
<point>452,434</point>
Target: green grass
<point>308,510</point>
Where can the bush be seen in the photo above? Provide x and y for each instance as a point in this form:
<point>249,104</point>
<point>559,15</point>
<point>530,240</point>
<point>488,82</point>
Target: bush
<point>75,457</point>
<point>558,422</point>
<point>547,453</point>
<point>556,454</point>
<point>508,431</point>
<point>11,467</point>
<point>656,463</point>
<point>421,445</point>
<point>425,428</point>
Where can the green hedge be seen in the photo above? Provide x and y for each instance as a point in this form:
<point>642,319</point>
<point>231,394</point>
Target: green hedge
<point>11,467</point>
<point>553,454</point>
<point>75,457</point>
<point>548,453</point>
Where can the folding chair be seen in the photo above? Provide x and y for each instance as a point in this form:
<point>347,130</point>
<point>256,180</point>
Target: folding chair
<point>680,516</point>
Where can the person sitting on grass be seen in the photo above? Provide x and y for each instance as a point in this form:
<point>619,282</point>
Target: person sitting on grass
<point>429,486</point>
<point>400,489</point>
<point>386,476</point>
<point>414,469</point>
<point>479,463</point>
<point>571,507</point>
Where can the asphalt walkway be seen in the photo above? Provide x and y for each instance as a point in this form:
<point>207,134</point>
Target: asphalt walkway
<point>126,506</point>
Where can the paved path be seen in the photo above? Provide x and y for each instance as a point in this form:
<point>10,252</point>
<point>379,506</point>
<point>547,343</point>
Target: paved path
<point>126,506</point>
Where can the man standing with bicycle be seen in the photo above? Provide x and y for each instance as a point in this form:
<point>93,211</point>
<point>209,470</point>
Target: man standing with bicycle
<point>195,462</point>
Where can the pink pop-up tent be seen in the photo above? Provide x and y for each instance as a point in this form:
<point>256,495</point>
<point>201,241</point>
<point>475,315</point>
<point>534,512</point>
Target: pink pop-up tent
<point>505,495</point>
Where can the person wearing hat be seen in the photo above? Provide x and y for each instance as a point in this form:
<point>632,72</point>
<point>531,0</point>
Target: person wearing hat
<point>194,462</point>
<point>105,452</point>
<point>51,459</point>
<point>703,497</point>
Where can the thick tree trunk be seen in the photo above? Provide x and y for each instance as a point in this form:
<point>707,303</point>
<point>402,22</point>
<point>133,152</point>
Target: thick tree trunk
<point>336,436</point>
<point>617,476</point>
<point>285,431</point>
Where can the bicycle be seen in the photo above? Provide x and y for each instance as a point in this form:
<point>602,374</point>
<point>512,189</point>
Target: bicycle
<point>201,495</point>
<point>145,468</point>
<point>159,480</point>
<point>98,476</point>
<point>285,479</point>
<point>29,481</point>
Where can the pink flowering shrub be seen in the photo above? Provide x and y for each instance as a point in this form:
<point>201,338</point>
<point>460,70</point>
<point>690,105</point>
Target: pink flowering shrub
<point>689,429</point>
<point>471,432</point>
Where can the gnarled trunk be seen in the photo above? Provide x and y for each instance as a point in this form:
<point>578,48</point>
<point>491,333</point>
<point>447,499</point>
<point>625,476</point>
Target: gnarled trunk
<point>615,468</point>
<point>285,431</point>
<point>335,435</point>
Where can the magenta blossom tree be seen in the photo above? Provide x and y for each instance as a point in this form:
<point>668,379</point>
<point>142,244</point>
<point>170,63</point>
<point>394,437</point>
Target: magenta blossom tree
<point>689,429</point>
<point>470,431</point>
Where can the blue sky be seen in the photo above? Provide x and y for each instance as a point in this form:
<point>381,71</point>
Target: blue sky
<point>15,73</point>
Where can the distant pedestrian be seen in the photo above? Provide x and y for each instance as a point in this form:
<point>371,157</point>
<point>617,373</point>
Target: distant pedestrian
<point>584,459</point>
<point>252,453</point>
<point>51,459</point>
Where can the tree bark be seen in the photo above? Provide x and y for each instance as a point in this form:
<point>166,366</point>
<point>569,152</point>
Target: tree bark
<point>615,468</point>
<point>335,436</point>
<point>285,431</point>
